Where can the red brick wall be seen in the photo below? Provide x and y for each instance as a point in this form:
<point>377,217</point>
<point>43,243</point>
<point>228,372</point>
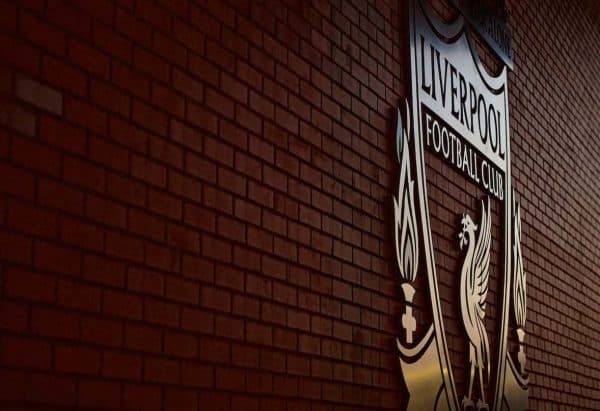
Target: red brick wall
<point>196,203</point>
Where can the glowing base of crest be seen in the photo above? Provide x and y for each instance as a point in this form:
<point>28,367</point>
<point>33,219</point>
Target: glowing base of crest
<point>515,389</point>
<point>422,375</point>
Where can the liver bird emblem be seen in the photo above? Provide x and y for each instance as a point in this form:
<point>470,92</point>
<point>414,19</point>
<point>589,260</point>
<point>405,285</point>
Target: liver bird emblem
<point>473,291</point>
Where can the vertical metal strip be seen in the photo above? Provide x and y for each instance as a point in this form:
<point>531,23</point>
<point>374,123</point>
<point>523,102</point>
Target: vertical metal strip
<point>508,205</point>
<point>440,335</point>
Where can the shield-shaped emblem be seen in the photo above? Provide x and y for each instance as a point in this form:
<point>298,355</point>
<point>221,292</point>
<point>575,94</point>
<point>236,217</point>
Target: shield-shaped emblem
<point>457,229</point>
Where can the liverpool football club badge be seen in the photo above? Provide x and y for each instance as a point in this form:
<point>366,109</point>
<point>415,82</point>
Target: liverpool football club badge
<point>458,250</point>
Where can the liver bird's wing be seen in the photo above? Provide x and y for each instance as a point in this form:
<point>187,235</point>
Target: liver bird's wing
<point>481,260</point>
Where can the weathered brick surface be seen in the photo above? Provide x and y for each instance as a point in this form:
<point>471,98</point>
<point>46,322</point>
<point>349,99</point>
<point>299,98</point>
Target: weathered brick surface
<point>196,214</point>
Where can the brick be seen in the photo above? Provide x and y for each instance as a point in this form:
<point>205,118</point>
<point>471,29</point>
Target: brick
<point>215,299</point>
<point>182,290</point>
<point>247,211</point>
<point>246,356</point>
<point>84,174</point>
<point>161,370</point>
<point>218,55</point>
<point>198,268</point>
<point>248,119</point>
<point>159,312</point>
<point>126,247</point>
<point>41,33</point>
<point>163,258</point>
<point>234,88</point>
<point>199,217</point>
<point>13,316</point>
<point>16,181</point>
<point>103,270</point>
<point>142,397</point>
<point>38,95</point>
<point>197,320</point>
<point>69,18</point>
<point>262,105</point>
<point>8,19</point>
<point>187,35</point>
<point>13,385</point>
<point>164,204</point>
<point>19,118</point>
<point>122,305</point>
<point>35,156</point>
<point>176,8</point>
<point>4,143</point>
<point>133,28</point>
<point>55,323</point>
<point>259,334</point>
<point>218,151</point>
<point>77,360</point>
<point>222,104</point>
<point>228,379</point>
<point>169,49</point>
<point>110,98</point>
<point>64,76</point>
<point>151,64</point>
<point>63,135</point>
<point>111,42</point>
<point>102,9</point>
<point>102,332</point>
<point>106,211</point>
<point>20,54</point>
<point>204,69</point>
<point>180,399</point>
<point>77,295</point>
<point>108,154</point>
<point>167,100</point>
<point>230,278</point>
<point>143,338</point>
<point>130,80</point>
<point>60,196</point>
<point>229,327</point>
<point>86,115</point>
<point>166,152</point>
<point>149,171</point>
<point>58,259</point>
<point>33,220</point>
<point>258,285</point>
<point>149,118</point>
<point>156,16</point>
<point>184,186</point>
<point>99,394</point>
<point>183,238</point>
<point>180,345</point>
<point>202,118</point>
<point>121,365</point>
<point>197,375</point>
<point>26,352</point>
<point>145,281</point>
<point>246,306</point>
<point>146,224</point>
<point>51,389</point>
<point>128,135</point>
<point>126,190</point>
<point>185,135</point>
<point>30,285</point>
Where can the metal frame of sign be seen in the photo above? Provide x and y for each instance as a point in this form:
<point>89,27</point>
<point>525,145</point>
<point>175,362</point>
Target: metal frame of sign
<point>425,364</point>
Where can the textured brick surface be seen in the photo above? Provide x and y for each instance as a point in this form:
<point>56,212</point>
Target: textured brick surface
<point>196,213</point>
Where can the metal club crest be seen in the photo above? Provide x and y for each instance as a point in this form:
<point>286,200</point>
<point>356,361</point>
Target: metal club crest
<point>459,112</point>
